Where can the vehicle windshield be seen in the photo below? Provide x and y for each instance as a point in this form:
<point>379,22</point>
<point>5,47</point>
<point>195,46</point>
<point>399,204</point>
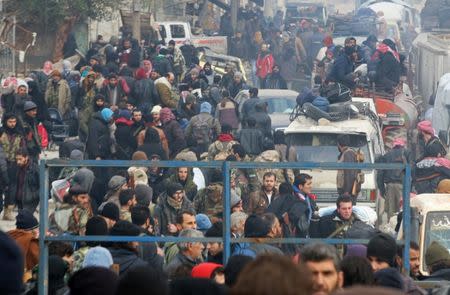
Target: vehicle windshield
<point>278,105</point>
<point>437,229</point>
<point>322,147</point>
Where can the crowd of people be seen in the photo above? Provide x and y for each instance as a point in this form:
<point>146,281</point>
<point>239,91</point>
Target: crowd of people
<point>155,102</point>
<point>131,267</point>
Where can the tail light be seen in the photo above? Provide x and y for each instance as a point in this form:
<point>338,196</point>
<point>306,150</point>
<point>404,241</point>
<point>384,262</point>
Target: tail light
<point>373,195</point>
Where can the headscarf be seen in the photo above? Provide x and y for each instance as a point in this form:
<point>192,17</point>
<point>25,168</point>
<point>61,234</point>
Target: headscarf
<point>328,41</point>
<point>166,115</point>
<point>426,127</point>
<point>400,142</point>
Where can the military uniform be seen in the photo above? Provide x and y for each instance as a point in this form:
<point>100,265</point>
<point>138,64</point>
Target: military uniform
<point>209,200</point>
<point>125,215</point>
<point>78,220</point>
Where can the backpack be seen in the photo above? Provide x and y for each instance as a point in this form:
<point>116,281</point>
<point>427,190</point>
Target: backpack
<point>361,230</point>
<point>336,93</point>
<point>202,131</point>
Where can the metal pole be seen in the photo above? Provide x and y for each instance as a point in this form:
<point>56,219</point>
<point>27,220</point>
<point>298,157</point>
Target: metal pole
<point>234,13</point>
<point>406,218</point>
<point>14,44</point>
<point>137,19</point>
<point>43,226</point>
<point>227,212</point>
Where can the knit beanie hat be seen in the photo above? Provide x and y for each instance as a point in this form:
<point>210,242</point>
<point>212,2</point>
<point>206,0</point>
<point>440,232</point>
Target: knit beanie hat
<point>25,220</point>
<point>436,253</point>
<point>390,278</point>
<point>124,228</point>
<point>205,107</point>
<point>12,262</point>
<point>156,109</point>
<point>29,105</point>
<point>76,155</point>
<point>204,270</point>
<point>93,280</point>
<point>203,222</point>
<point>107,114</point>
<point>98,256</point>
<point>144,194</point>
<point>140,177</point>
<point>173,188</point>
<point>111,211</point>
<point>256,227</point>
<point>383,247</point>
<point>116,182</point>
<point>96,226</point>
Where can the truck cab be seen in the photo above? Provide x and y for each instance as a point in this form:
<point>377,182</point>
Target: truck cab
<point>430,221</point>
<point>181,32</point>
<point>315,141</point>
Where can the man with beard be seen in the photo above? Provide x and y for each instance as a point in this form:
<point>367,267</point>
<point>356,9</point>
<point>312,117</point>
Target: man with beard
<point>58,94</point>
<point>20,97</point>
<point>208,74</point>
<point>179,64</point>
<point>26,191</point>
<point>260,200</point>
<point>238,47</point>
<point>127,201</point>
<point>82,211</point>
<point>33,141</point>
<point>88,91</point>
<point>275,80</point>
<point>237,84</point>
<point>138,126</point>
<point>323,262</point>
<point>264,64</point>
<point>11,141</point>
<point>113,90</point>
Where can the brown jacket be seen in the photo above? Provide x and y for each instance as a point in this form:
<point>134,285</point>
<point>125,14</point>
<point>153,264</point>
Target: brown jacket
<point>259,202</point>
<point>29,246</point>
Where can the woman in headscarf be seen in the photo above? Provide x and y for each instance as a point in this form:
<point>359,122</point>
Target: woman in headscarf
<point>173,131</point>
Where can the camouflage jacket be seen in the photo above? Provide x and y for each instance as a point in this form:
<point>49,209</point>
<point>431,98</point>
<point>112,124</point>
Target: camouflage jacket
<point>78,258</point>
<point>209,200</point>
<point>78,220</point>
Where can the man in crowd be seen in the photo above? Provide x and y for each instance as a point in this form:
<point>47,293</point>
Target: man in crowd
<point>324,264</point>
<point>127,200</point>
<point>339,222</point>
<point>260,200</point>
<point>190,253</point>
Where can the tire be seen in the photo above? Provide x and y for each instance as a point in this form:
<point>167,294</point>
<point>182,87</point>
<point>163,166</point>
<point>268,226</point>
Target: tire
<point>314,113</point>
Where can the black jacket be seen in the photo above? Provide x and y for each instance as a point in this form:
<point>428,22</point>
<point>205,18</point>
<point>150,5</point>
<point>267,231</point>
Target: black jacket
<point>327,225</point>
<point>263,121</point>
<point>341,71</point>
<point>396,155</point>
<point>298,211</point>
<point>388,71</point>
<point>175,137</point>
<point>145,94</point>
<point>126,259</point>
<point>251,140</point>
<point>99,139</point>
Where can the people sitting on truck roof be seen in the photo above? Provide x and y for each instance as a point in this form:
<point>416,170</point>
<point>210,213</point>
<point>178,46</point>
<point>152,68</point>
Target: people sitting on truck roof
<point>343,67</point>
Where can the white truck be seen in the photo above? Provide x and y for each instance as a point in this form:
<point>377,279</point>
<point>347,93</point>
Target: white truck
<point>181,31</point>
<point>315,141</point>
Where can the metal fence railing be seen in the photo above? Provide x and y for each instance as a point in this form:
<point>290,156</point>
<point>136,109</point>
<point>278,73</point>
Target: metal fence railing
<point>226,239</point>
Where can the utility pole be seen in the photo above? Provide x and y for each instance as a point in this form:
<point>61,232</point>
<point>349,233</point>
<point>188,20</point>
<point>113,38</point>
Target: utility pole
<point>234,12</point>
<point>137,7</point>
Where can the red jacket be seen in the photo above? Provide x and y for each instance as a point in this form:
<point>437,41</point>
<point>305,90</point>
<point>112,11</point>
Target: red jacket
<point>264,65</point>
